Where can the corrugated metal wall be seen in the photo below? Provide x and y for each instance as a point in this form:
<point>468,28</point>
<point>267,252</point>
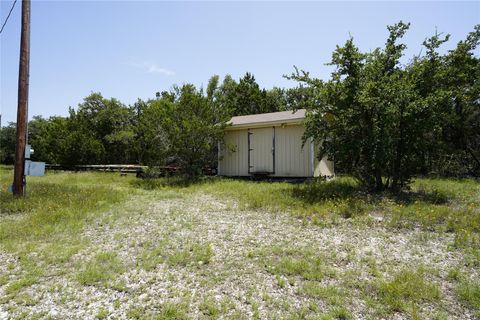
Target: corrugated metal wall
<point>234,154</point>
<point>261,150</point>
<point>291,160</point>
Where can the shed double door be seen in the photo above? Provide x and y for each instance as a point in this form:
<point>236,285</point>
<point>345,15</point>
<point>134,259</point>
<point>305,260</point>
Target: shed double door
<point>261,152</point>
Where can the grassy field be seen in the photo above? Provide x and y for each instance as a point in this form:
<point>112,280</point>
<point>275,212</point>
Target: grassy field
<point>102,246</point>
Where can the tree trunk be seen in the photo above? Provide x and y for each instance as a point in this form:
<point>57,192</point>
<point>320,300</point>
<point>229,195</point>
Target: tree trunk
<point>378,180</point>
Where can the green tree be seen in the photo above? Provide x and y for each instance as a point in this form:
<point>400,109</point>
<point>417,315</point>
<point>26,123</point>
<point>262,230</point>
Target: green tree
<point>110,123</point>
<point>250,99</point>
<point>150,128</point>
<point>461,88</point>
<point>191,127</point>
<point>369,116</point>
<point>7,143</point>
<point>276,99</point>
<point>39,136</point>
<point>226,95</point>
<point>448,85</point>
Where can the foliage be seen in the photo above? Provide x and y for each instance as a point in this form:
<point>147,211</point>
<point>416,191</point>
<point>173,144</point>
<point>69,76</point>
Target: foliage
<point>7,144</point>
<point>104,125</point>
<point>246,97</point>
<point>450,84</point>
<point>380,120</point>
<point>193,128</point>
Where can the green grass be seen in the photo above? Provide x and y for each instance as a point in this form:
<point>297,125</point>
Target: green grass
<point>173,311</point>
<point>43,228</point>
<point>56,204</point>
<point>150,257</point>
<point>334,295</point>
<point>103,268</point>
<point>406,291</point>
<point>304,263</point>
<point>307,267</point>
<point>195,254</point>
<point>25,281</point>
<point>469,294</point>
<point>102,314</point>
<point>168,311</point>
<point>210,308</point>
<point>444,205</point>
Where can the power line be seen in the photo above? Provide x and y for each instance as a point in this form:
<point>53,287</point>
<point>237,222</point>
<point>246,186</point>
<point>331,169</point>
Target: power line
<point>11,9</point>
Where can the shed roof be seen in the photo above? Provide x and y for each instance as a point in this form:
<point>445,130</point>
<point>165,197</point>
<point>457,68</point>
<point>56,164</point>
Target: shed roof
<point>268,118</point>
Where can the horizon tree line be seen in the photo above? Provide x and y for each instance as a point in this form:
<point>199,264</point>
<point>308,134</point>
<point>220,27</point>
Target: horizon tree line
<point>382,121</point>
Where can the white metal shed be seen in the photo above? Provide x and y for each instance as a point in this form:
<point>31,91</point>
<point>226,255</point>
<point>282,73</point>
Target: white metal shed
<point>270,144</point>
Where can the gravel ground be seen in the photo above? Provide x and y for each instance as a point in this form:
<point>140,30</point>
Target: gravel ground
<point>235,280</point>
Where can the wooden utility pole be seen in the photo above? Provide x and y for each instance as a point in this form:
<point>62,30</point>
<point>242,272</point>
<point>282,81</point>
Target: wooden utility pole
<point>23,75</point>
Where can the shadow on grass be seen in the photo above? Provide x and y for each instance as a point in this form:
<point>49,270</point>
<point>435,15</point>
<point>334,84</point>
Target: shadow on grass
<point>308,192</point>
<point>178,181</point>
<point>173,182</point>
<point>432,196</point>
<point>318,191</point>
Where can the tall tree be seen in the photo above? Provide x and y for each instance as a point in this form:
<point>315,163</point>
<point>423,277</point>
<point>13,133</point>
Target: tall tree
<point>369,116</point>
<point>192,129</point>
<point>250,99</point>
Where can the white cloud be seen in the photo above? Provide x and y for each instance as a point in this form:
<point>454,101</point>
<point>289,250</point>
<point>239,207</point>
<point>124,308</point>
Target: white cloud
<point>152,67</point>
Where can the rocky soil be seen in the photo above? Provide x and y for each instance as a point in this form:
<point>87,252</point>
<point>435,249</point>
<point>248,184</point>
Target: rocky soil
<point>197,256</point>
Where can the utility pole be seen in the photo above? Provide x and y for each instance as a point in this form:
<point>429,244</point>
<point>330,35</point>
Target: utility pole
<point>23,75</point>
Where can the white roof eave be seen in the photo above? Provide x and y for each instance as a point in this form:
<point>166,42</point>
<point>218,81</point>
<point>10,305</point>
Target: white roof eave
<point>264,124</point>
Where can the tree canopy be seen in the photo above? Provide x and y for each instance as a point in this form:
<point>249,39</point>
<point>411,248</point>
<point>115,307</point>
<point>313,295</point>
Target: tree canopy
<point>384,121</point>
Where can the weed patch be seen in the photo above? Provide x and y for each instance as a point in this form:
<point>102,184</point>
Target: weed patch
<point>196,254</point>
<point>301,262</point>
<point>331,294</point>
<point>469,294</point>
<point>406,291</point>
<point>101,269</point>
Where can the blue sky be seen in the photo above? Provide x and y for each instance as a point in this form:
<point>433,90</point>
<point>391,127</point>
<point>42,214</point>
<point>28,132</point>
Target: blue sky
<point>131,49</point>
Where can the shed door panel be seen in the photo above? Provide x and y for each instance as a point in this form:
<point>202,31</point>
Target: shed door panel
<point>291,159</point>
<point>261,153</point>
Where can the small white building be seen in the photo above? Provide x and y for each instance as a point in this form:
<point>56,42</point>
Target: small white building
<point>270,144</point>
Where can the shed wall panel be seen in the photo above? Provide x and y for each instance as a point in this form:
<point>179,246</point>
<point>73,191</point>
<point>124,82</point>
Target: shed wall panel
<point>323,167</point>
<point>291,159</point>
<point>242,143</point>
<point>234,154</point>
<point>228,155</point>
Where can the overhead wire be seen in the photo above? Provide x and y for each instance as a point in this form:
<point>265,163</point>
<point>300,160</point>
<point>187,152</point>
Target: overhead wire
<point>8,16</point>
<point>1,30</point>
